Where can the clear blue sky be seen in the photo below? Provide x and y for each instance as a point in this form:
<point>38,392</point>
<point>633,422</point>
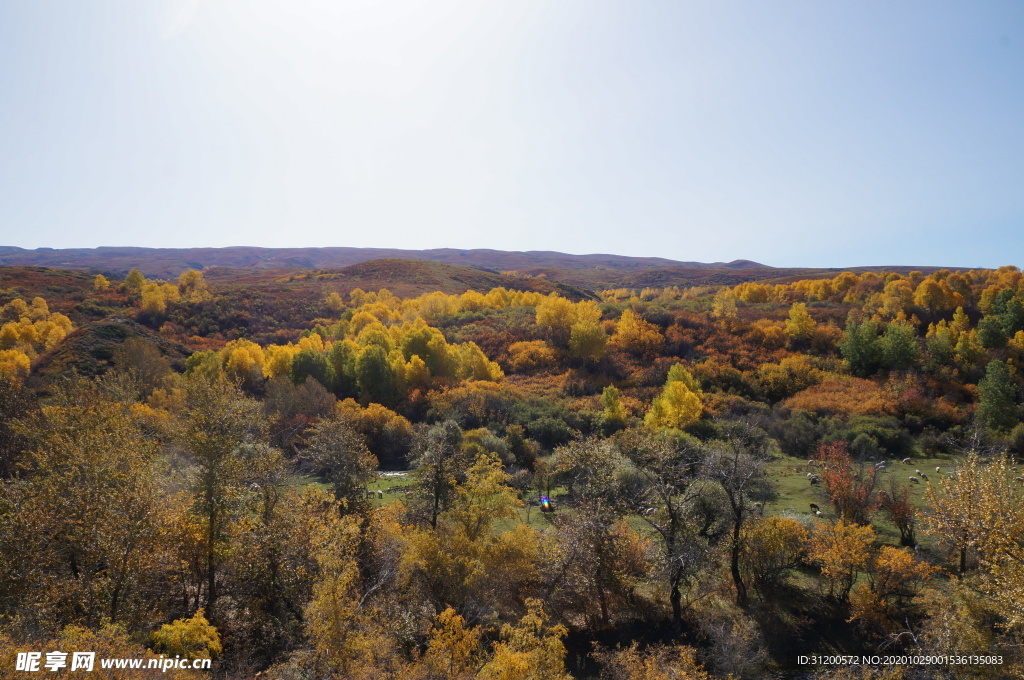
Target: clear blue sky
<point>793,133</point>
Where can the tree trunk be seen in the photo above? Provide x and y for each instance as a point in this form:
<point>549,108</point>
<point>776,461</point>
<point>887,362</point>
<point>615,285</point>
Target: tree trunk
<point>736,579</point>
<point>734,567</point>
<point>676,598</point>
<point>211,566</point>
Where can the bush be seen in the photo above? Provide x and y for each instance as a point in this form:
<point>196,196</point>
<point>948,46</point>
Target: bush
<point>550,432</point>
<point>190,638</point>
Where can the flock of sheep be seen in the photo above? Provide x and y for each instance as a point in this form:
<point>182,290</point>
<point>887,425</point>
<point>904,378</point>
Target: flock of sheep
<point>880,466</point>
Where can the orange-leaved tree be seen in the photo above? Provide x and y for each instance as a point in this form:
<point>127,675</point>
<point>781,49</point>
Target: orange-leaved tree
<point>842,550</point>
<point>850,486</point>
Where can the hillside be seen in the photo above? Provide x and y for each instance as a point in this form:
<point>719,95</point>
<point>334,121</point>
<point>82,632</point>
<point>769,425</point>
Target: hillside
<point>88,350</point>
<point>414,277</point>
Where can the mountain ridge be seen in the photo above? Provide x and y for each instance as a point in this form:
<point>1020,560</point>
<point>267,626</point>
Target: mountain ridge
<point>172,261</point>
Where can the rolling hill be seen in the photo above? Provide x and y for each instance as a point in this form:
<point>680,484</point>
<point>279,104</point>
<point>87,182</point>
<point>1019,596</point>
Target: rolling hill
<point>167,262</point>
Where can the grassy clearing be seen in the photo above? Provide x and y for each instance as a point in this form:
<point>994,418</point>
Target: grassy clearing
<point>796,493</point>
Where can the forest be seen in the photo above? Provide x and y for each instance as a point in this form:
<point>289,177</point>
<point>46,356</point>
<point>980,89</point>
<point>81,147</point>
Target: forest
<point>444,472</point>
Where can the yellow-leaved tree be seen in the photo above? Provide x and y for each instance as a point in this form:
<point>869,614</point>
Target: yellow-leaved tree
<point>895,577</point>
<point>557,315</point>
<point>800,326</point>
<point>680,402</point>
<point>192,638</point>
<point>656,662</point>
<point>724,305</point>
<point>637,336</point>
<point>529,651</point>
<point>333,617</point>
<point>587,341</point>
<point>614,411</point>
<point>463,561</point>
<point>770,547</point>
<point>1001,541</point>
<point>192,286</point>
<point>956,508</point>
<point>453,648</point>
<point>14,364</point>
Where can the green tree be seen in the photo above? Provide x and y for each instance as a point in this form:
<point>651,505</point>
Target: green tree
<point>1013,317</point>
<point>663,490</point>
<point>375,375</point>
<point>614,412</point>
<point>990,332</point>
<point>217,420</point>
<point>997,403</point>
<point>860,347</point>
<point>737,465</point>
<point>340,454</point>
<point>940,346</point>
<point>898,347</point>
<point>440,463</point>
<point>309,363</point>
<point>342,357</point>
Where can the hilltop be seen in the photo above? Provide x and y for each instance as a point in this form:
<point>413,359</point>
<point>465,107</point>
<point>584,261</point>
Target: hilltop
<point>89,350</point>
<point>593,272</point>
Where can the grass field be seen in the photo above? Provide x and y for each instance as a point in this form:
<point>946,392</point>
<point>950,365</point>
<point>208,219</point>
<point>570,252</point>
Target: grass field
<point>796,493</point>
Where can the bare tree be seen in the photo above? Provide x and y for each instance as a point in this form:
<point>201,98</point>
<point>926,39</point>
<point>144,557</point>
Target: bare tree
<point>737,465</point>
<point>660,485</point>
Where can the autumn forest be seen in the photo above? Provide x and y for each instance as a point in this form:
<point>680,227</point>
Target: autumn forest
<point>415,470</point>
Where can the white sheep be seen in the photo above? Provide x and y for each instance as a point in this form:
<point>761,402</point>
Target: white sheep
<point>914,479</point>
<point>906,461</point>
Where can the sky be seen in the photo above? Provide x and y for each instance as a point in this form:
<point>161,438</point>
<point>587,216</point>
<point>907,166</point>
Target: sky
<point>793,133</point>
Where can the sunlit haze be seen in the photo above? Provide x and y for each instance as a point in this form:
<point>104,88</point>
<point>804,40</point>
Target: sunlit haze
<point>791,133</point>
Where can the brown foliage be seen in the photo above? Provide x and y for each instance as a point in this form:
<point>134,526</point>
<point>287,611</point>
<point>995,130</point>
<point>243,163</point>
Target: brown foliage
<point>843,396</point>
